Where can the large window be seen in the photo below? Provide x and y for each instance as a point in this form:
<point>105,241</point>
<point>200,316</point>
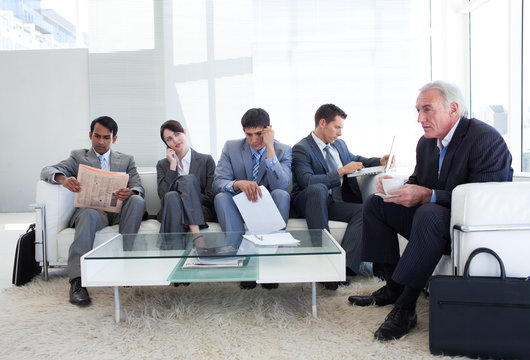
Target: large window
<point>42,24</point>
<point>498,67</point>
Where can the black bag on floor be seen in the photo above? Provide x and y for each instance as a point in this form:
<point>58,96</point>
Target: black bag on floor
<point>25,266</point>
<point>485,317</point>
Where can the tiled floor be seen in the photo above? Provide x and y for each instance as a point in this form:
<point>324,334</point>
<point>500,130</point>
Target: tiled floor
<point>12,225</point>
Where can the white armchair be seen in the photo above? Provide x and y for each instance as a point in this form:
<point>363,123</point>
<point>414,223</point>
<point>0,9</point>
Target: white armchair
<point>496,216</point>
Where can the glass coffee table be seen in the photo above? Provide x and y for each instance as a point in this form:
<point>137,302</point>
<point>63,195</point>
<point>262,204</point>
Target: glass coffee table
<point>162,259</point>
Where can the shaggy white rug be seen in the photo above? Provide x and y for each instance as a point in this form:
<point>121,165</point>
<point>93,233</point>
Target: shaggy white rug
<point>201,321</point>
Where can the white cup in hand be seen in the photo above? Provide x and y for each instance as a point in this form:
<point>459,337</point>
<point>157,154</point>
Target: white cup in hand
<point>390,184</point>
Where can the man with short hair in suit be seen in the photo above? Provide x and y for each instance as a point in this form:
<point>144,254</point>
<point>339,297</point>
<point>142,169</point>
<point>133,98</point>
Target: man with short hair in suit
<point>321,189</point>
<point>454,150</point>
<point>247,163</point>
<point>86,221</point>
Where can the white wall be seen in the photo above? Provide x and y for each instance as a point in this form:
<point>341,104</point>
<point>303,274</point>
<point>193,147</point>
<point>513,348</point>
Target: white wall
<point>44,114</point>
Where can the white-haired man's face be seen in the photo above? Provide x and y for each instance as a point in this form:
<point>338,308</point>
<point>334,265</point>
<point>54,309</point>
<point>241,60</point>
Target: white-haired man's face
<point>434,116</point>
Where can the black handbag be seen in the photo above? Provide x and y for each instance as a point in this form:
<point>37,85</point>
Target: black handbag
<point>480,316</point>
<point>25,266</point>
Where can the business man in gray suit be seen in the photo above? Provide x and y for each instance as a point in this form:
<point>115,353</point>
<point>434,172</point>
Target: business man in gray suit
<point>454,150</point>
<point>86,221</point>
<point>321,189</point>
<point>246,164</point>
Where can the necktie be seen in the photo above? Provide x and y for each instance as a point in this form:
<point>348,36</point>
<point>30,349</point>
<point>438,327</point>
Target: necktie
<point>336,192</point>
<point>102,162</point>
<point>255,165</point>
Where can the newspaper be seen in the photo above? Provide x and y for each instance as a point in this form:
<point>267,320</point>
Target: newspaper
<point>98,188</point>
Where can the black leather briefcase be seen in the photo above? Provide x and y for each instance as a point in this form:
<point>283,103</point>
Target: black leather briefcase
<point>25,266</point>
<point>485,317</point>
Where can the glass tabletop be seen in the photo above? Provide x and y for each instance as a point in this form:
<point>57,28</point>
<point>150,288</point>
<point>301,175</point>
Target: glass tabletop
<point>213,244</point>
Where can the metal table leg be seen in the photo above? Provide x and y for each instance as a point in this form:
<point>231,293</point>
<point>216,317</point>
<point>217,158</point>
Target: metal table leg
<point>117,304</point>
<point>314,298</point>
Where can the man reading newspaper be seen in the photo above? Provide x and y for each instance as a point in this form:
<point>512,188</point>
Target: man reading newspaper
<point>87,221</point>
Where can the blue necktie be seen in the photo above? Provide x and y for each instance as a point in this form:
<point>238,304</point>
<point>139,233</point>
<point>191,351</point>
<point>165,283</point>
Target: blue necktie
<point>256,157</point>
<point>336,192</point>
<point>102,162</point>
<point>441,159</point>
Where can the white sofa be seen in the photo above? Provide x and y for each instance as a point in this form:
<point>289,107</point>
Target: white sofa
<point>56,205</point>
<point>489,214</point>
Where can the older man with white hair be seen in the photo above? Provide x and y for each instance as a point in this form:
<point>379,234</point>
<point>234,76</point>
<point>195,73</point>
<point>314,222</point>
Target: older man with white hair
<point>454,150</point>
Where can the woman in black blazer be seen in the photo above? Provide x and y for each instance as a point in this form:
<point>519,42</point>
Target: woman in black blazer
<point>184,179</point>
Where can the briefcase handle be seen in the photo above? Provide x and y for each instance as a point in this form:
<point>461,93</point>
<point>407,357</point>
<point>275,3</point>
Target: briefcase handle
<point>484,250</point>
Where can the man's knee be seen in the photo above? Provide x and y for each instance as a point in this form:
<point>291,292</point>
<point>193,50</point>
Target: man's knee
<point>318,192</point>
<point>171,196</point>
<point>281,195</point>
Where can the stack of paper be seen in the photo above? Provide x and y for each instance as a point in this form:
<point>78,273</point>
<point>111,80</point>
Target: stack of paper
<point>213,262</point>
<point>280,238</point>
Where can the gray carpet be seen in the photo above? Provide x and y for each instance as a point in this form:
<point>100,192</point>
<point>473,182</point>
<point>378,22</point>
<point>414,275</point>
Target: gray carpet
<point>212,321</point>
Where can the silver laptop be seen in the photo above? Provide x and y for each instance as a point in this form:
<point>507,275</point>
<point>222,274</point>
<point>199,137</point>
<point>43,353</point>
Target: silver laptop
<point>374,170</point>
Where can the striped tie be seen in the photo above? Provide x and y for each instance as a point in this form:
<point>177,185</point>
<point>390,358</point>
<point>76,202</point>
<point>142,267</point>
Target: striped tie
<point>255,165</point>
<point>332,166</point>
<point>102,162</point>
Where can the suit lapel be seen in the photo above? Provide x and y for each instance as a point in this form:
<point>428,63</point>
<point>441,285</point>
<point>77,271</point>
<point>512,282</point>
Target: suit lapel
<point>246,159</point>
<point>195,163</point>
<point>92,159</point>
<point>316,152</point>
<point>459,134</point>
<point>115,162</point>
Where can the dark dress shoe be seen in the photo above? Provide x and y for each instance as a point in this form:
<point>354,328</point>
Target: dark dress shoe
<point>78,294</point>
<point>398,323</point>
<point>270,286</point>
<point>380,297</point>
<point>247,285</point>
<point>334,285</point>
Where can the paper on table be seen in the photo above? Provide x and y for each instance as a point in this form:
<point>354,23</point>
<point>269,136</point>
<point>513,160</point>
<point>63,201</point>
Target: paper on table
<point>98,187</point>
<point>262,216</point>
<point>280,238</point>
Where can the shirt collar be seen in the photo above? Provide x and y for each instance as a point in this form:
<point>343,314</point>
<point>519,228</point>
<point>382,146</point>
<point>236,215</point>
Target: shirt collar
<point>321,145</point>
<point>447,139</point>
<point>187,157</point>
<point>261,151</point>
<point>106,155</point>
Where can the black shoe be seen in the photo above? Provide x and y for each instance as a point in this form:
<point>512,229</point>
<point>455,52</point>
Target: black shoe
<point>380,297</point>
<point>270,286</point>
<point>398,323</point>
<point>180,284</point>
<point>247,285</point>
<point>78,294</point>
<point>334,285</point>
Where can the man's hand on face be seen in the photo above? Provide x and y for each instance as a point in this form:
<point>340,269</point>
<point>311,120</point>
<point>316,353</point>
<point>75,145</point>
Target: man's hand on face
<point>250,188</point>
<point>268,136</point>
<point>71,183</point>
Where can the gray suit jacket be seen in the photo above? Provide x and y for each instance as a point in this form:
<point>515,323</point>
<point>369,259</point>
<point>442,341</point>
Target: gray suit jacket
<point>235,163</point>
<point>118,162</point>
<point>202,166</point>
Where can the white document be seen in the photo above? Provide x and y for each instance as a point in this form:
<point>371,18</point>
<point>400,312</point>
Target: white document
<point>98,187</point>
<point>279,238</point>
<point>262,216</point>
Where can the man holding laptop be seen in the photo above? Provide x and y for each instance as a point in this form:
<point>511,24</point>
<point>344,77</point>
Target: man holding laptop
<point>321,188</point>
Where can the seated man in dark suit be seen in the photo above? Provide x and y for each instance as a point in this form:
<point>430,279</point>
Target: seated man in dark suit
<point>321,189</point>
<point>454,150</point>
<point>103,133</point>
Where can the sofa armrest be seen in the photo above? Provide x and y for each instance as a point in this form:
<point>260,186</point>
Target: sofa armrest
<point>58,209</point>
<point>492,215</point>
